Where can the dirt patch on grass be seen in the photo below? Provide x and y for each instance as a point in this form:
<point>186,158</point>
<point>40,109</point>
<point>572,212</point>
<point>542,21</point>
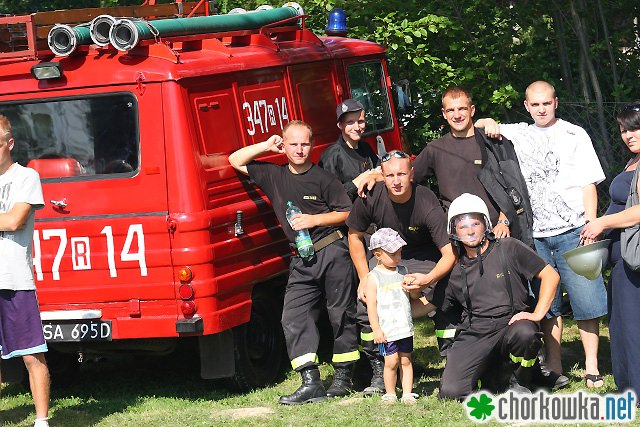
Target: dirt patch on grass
<point>259,411</point>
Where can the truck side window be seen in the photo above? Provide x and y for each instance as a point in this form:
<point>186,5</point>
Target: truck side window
<point>367,84</point>
<point>77,137</point>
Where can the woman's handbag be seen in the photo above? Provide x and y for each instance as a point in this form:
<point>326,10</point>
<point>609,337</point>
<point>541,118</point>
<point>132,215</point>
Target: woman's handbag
<point>630,236</point>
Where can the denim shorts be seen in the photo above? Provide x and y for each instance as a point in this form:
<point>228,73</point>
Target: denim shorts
<point>588,297</point>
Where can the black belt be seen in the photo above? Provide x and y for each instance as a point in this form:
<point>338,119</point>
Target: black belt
<point>324,242</point>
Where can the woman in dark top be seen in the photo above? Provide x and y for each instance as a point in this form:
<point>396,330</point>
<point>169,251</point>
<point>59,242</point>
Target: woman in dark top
<point>624,284</point>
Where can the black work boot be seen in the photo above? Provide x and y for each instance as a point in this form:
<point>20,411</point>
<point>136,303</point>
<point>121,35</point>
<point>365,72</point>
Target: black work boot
<point>377,380</point>
<point>518,386</point>
<point>311,390</point>
<point>546,378</point>
<point>342,384</point>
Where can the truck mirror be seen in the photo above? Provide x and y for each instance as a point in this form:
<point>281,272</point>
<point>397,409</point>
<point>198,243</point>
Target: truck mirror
<point>402,96</point>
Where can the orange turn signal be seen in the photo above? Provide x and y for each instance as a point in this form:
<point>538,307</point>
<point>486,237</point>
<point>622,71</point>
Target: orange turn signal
<point>185,274</point>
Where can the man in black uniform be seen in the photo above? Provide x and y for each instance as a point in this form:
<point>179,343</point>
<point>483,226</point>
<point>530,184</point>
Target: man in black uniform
<point>413,211</point>
<point>465,160</point>
<point>328,274</point>
<point>354,163</point>
<point>490,283</point>
<point>349,158</point>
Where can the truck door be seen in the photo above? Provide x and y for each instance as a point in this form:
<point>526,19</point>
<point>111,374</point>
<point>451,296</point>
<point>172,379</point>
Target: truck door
<point>314,92</point>
<point>101,241</point>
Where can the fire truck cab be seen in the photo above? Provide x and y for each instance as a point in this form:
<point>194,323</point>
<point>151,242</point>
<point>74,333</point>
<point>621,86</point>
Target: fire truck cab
<point>147,234</point>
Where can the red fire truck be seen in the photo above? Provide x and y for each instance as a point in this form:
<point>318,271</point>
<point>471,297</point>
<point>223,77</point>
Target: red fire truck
<point>148,235</point>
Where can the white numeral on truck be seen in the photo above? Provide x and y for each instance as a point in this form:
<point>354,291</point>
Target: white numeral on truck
<point>37,258</point>
<point>61,233</point>
<point>125,255</point>
<point>252,129</point>
<point>111,259</point>
<point>81,250</point>
<point>261,114</point>
<point>283,114</point>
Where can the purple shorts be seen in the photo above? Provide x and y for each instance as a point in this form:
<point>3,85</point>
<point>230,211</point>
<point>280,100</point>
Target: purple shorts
<point>20,324</point>
<point>404,345</point>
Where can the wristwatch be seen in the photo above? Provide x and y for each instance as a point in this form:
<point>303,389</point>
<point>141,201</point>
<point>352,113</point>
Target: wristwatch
<point>504,221</point>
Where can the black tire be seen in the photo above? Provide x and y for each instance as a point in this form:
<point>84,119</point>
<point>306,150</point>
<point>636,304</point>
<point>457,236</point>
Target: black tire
<point>259,346</point>
<point>63,367</point>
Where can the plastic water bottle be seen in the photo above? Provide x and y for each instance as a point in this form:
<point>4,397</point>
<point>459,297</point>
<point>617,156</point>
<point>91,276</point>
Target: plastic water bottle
<point>304,244</point>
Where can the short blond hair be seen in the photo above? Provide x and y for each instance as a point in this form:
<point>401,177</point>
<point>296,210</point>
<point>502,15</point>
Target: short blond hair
<point>298,123</point>
<point>455,92</point>
<point>539,83</point>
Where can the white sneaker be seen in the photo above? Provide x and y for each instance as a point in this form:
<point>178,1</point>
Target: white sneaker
<point>389,399</point>
<point>409,399</point>
<point>41,422</point>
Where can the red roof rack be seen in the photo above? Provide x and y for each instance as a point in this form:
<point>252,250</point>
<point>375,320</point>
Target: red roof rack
<point>25,36</point>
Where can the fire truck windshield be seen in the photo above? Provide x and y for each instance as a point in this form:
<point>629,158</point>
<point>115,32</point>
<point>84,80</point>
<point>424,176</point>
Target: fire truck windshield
<point>63,138</point>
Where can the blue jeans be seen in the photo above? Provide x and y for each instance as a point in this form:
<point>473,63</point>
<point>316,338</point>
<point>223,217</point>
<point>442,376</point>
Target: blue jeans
<point>588,297</point>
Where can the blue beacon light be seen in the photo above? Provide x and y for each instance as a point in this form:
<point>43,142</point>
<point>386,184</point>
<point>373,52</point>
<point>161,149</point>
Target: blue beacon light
<point>337,23</point>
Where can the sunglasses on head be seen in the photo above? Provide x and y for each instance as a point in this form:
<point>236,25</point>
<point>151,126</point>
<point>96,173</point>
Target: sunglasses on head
<point>397,154</point>
<point>632,107</point>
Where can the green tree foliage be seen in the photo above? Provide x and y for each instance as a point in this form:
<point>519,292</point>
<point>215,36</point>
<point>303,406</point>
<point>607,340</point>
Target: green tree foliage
<point>30,6</point>
<point>587,48</point>
<point>494,48</point>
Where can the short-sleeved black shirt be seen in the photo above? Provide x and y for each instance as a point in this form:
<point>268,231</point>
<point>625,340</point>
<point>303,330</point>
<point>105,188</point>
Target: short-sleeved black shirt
<point>455,162</point>
<point>315,192</point>
<point>488,293</point>
<point>347,163</point>
<point>420,221</point>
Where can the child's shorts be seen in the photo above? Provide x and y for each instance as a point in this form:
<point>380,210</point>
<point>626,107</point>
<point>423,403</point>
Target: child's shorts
<point>404,345</point>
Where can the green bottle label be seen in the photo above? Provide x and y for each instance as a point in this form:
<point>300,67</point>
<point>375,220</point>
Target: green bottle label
<point>303,241</point>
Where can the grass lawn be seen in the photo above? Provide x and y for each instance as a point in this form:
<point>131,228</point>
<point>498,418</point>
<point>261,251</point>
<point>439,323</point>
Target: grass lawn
<point>167,391</point>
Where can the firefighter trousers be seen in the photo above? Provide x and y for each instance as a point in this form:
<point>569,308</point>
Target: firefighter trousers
<point>487,340</point>
<point>328,278</point>
<point>368,347</point>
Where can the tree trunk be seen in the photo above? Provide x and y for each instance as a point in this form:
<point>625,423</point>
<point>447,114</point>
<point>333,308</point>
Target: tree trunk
<point>612,59</point>
<point>563,56</point>
<point>603,137</point>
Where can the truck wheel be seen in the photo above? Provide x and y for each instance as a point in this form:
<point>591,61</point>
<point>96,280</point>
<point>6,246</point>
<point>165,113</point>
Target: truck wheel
<point>259,346</point>
<point>63,367</point>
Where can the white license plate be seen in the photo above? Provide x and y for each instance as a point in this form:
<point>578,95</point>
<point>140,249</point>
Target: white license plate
<point>89,330</point>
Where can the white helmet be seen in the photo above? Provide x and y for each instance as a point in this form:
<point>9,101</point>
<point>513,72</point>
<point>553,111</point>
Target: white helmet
<point>589,260</point>
<point>464,204</point>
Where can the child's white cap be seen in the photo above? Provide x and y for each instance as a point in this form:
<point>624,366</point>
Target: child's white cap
<point>386,239</point>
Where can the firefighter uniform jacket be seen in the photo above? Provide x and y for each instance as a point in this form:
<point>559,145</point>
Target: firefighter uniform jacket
<point>500,176</point>
<point>346,163</point>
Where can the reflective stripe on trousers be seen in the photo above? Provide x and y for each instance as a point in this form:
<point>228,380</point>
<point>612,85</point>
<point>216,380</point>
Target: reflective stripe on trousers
<point>305,358</point>
<point>351,356</point>
<point>526,363</point>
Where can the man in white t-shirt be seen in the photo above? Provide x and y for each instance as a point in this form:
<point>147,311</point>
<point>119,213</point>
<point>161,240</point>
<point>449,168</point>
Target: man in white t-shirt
<point>20,324</point>
<point>562,170</point>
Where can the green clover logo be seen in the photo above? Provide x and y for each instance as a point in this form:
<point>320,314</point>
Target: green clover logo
<point>482,408</point>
